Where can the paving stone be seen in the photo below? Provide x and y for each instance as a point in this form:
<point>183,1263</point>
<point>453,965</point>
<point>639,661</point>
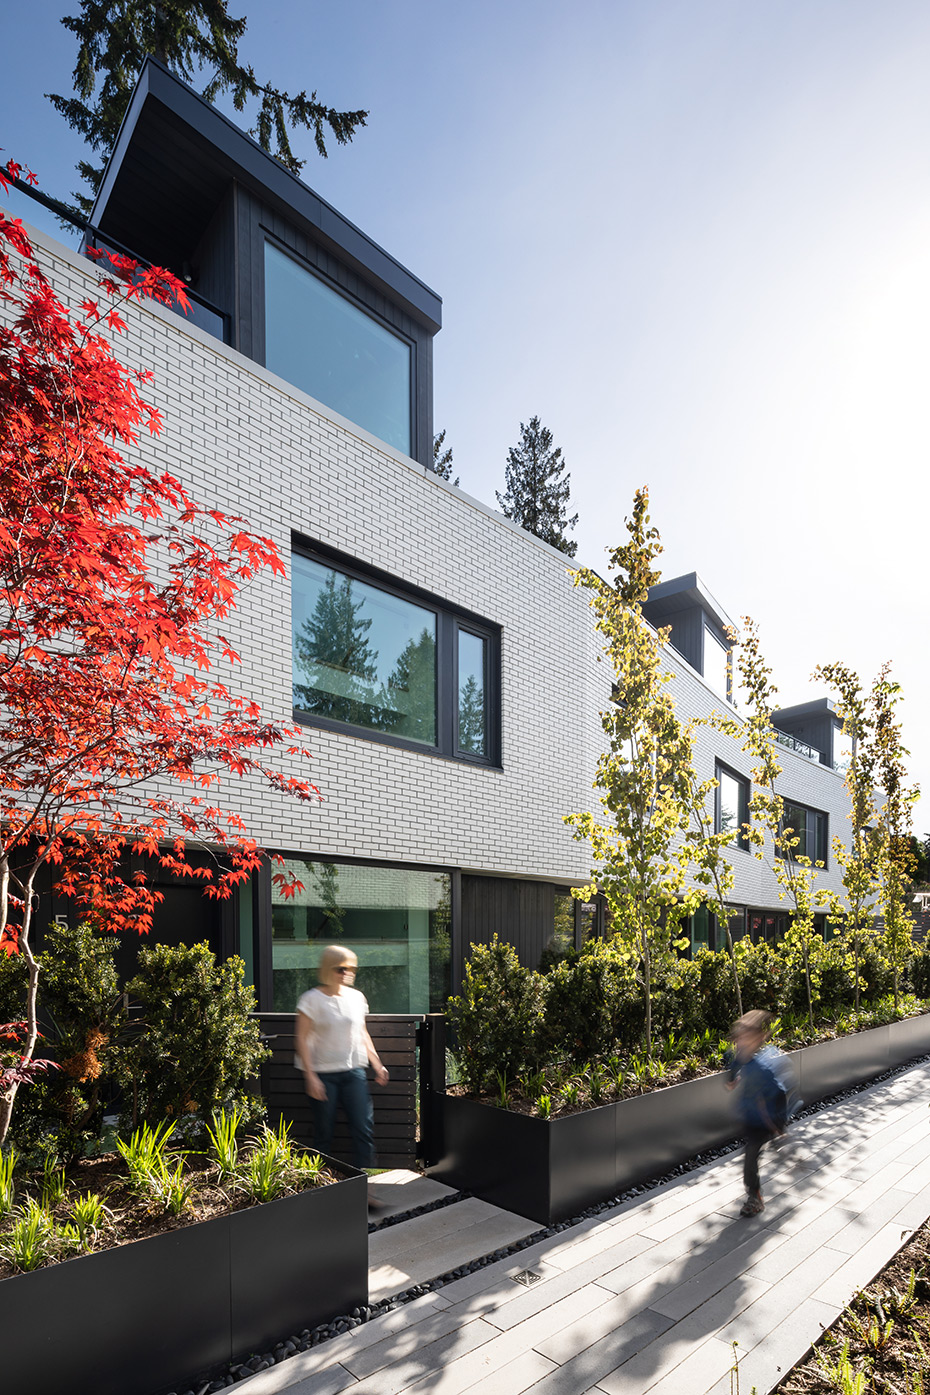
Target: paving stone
<point>514,1378</point>
<point>579,1372</point>
<point>862,1227</point>
<point>403,1341</point>
<point>915,1210</point>
<point>701,1367</point>
<point>421,1361</point>
<point>787,1343</point>
<point>548,1291</point>
<point>460,1374</point>
<point>327,1382</point>
<point>796,1248</point>
<point>398,1261</point>
<point>774,1307</point>
<point>860,1269</point>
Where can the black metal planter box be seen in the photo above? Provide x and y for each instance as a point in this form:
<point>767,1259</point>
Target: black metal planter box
<point>550,1169</point>
<point>137,1319</point>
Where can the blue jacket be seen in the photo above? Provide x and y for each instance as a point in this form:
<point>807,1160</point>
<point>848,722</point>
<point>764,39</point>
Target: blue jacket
<point>761,1099</point>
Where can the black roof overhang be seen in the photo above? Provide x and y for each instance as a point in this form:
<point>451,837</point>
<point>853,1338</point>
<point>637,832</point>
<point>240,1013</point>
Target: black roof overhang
<point>175,157</point>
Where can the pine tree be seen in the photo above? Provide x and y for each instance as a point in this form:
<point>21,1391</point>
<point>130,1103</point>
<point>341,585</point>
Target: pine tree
<point>442,459</point>
<point>537,496</point>
<point>116,36</point>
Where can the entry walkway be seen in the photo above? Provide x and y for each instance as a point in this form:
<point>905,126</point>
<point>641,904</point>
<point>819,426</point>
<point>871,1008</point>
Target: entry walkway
<point>650,1296</point>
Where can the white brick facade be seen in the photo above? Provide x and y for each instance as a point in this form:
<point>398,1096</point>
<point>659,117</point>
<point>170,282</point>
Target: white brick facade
<point>244,441</point>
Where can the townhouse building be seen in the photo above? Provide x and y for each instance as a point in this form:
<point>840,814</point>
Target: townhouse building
<point>439,657</point>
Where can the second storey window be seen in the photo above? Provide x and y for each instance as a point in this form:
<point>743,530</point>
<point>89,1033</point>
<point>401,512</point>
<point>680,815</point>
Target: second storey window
<point>809,827</point>
<point>391,664</point>
<point>732,812</point>
<point>318,340</point>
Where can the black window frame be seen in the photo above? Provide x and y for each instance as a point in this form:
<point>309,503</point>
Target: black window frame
<point>822,837</point>
<point>741,841</point>
<point>450,619</point>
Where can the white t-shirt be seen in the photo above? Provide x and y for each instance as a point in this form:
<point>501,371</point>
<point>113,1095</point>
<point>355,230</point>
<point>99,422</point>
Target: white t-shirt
<point>338,1021</point>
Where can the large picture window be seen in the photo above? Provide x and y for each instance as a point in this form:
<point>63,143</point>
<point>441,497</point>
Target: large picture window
<point>321,342</point>
<point>397,921</point>
<point>371,657</point>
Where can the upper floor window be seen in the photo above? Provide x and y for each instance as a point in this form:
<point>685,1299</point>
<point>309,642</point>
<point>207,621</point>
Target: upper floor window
<point>809,827</point>
<point>842,749</point>
<point>383,659</point>
<point>323,343</point>
<point>716,664</point>
<point>732,807</point>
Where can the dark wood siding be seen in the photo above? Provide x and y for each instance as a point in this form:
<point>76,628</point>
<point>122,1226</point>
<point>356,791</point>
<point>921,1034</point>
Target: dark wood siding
<point>214,261</point>
<point>395,1104</point>
<point>522,913</point>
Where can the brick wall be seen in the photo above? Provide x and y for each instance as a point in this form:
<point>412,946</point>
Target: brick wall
<point>245,442</point>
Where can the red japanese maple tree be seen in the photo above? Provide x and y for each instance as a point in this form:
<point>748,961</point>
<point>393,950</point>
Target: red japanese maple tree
<point>114,736</point>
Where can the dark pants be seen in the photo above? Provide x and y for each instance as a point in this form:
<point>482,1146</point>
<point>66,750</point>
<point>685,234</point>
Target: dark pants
<point>755,1141</point>
<point>348,1088</point>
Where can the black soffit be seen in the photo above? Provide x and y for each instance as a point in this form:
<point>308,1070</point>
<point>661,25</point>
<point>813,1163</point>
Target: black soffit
<point>174,159</point>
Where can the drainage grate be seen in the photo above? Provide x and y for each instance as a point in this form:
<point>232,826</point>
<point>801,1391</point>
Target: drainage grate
<point>526,1277</point>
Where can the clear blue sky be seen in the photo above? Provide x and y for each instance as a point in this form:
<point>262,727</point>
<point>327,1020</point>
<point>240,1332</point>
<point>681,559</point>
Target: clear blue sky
<point>692,235</point>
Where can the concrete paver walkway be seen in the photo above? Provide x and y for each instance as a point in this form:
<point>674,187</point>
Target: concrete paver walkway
<point>650,1296</point>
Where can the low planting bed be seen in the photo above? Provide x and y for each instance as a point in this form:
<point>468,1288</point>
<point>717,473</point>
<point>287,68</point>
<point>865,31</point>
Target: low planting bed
<point>551,1168</point>
<point>161,1296</point>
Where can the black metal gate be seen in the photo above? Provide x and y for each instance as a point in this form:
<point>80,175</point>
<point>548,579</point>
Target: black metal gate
<point>412,1048</point>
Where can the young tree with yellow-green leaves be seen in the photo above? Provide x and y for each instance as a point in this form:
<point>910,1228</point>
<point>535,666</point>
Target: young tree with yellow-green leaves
<point>645,778</point>
<point>795,871</point>
<point>859,861</point>
<point>895,858</point>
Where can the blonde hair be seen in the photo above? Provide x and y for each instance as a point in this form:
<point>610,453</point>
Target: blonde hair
<point>755,1021</point>
<point>331,956</point>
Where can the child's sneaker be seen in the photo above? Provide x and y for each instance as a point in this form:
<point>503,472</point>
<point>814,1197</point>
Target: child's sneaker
<point>752,1206</point>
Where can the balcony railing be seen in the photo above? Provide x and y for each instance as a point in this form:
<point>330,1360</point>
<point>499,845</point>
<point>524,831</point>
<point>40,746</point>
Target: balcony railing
<point>202,312</point>
<point>793,744</point>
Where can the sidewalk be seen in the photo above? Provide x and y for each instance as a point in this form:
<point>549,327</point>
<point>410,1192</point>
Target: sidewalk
<point>650,1296</point>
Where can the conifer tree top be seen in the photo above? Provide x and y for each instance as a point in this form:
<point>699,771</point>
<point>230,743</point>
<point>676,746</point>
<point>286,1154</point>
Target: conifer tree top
<point>190,37</point>
<point>537,494</point>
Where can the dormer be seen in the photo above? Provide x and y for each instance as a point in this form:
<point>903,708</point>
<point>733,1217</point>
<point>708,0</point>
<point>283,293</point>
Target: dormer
<point>277,272</point>
<point>815,730</point>
<point>698,628</point>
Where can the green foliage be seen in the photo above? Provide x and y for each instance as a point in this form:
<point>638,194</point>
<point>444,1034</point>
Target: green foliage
<point>144,1152</point>
<point>30,1241</point>
<point>87,1214</point>
<point>224,1145</point>
<point>497,1017</point>
<point>192,39</point>
<point>196,1047</point>
<point>536,495</point>
<point>8,1162</point>
<point>83,1020</point>
<point>584,999</point>
<point>645,778</point>
<point>275,1166</point>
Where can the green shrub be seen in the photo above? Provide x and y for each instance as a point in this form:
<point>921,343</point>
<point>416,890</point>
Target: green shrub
<point>717,995</point>
<point>195,1048</point>
<point>497,1018</point>
<point>583,999</point>
<point>82,1019</point>
<point>762,976</point>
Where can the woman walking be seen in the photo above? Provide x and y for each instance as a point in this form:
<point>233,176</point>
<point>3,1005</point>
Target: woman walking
<point>334,1049</point>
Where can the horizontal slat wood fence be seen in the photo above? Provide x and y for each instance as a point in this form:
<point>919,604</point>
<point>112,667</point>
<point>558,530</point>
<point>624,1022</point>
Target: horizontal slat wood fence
<point>395,1104</point>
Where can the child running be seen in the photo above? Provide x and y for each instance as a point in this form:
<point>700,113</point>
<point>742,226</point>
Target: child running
<point>762,1100</point>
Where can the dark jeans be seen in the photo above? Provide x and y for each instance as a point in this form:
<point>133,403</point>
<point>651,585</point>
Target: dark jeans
<point>350,1089</point>
<point>755,1141</point>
